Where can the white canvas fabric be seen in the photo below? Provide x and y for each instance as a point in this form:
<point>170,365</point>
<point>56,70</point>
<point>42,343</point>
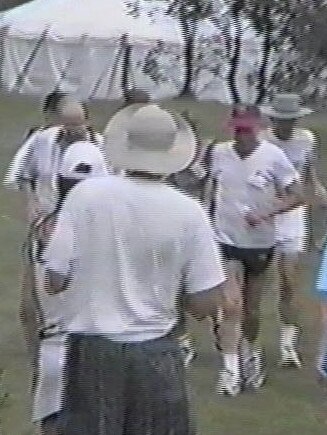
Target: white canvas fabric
<point>84,55</point>
<point>300,150</point>
<point>248,185</point>
<point>131,246</point>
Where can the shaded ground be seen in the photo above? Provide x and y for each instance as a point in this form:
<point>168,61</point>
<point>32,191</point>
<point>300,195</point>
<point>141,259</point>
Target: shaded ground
<point>291,403</point>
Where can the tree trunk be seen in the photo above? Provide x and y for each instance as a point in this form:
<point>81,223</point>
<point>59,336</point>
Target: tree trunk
<point>189,33</point>
<point>234,63</point>
<point>262,86</point>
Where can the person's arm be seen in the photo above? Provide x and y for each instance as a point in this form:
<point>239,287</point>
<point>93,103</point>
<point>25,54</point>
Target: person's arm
<point>293,197</point>
<point>288,188</point>
<point>59,255</point>
<point>204,276</point>
<point>314,190</point>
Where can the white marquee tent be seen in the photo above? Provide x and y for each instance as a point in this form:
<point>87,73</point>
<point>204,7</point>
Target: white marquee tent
<point>80,46</point>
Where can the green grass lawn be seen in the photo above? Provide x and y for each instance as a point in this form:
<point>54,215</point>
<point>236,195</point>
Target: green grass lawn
<point>291,403</point>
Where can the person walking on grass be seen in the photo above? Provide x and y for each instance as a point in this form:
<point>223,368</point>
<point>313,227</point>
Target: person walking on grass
<point>81,160</point>
<point>247,172</point>
<point>39,183</point>
<point>292,230</point>
<point>33,168</point>
<point>133,251</point>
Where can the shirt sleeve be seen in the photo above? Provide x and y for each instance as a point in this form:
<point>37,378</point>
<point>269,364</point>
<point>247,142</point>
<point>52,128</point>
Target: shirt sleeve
<point>60,252</point>
<point>21,168</point>
<point>321,282</point>
<point>284,172</point>
<point>204,268</point>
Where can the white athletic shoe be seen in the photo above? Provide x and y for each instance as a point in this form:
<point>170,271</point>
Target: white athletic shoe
<point>229,384</point>
<point>290,357</point>
<point>253,370</point>
<point>188,350</point>
<point>288,348</point>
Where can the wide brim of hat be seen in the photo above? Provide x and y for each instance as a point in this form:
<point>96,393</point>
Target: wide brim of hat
<point>122,156</point>
<point>272,113</point>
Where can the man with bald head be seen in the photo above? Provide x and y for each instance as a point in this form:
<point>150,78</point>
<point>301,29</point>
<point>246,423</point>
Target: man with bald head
<point>42,163</point>
<point>38,183</point>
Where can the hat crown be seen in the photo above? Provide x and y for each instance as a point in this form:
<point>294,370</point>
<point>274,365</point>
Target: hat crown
<point>287,103</point>
<point>82,160</point>
<point>152,128</point>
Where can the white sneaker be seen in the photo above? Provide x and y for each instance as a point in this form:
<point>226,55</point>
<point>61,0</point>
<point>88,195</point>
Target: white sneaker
<point>229,384</point>
<point>188,350</point>
<point>253,370</point>
<point>289,354</point>
<point>290,357</point>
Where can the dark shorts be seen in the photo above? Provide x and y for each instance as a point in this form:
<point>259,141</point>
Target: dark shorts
<point>52,425</point>
<point>125,388</point>
<point>255,261</point>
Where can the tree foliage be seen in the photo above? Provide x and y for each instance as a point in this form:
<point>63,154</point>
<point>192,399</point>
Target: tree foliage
<point>294,45</point>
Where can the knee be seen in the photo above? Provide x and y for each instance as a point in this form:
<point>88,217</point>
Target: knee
<point>233,309</point>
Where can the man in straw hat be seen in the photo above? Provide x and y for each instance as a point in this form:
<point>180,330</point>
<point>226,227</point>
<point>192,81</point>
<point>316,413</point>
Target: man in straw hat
<point>138,248</point>
<point>292,231</point>
<point>247,171</point>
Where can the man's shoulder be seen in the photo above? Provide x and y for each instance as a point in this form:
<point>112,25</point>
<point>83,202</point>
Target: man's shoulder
<point>306,135</point>
<point>219,148</point>
<point>270,149</point>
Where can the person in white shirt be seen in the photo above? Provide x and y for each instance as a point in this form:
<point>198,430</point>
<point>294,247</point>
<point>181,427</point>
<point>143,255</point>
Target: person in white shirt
<point>134,251</point>
<point>247,172</point>
<point>292,230</point>
<point>33,168</point>
<point>41,172</point>
<point>81,160</point>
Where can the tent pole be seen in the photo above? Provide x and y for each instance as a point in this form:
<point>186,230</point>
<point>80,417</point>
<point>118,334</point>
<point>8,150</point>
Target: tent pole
<point>126,68</point>
<point>116,63</point>
<point>26,67</point>
<point>3,34</point>
<point>68,65</point>
<point>104,72</point>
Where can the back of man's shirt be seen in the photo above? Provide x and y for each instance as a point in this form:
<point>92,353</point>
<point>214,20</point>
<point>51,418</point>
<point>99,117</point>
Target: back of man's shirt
<point>134,244</point>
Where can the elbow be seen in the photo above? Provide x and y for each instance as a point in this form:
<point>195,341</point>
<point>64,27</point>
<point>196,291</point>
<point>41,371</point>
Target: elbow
<point>55,283</point>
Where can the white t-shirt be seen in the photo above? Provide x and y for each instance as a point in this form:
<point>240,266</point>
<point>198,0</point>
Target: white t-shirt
<point>131,247</point>
<point>248,184</point>
<point>39,159</point>
<point>300,150</point>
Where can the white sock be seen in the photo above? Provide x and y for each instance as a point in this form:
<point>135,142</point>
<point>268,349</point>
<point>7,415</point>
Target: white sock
<point>288,335</point>
<point>232,364</point>
<point>247,349</point>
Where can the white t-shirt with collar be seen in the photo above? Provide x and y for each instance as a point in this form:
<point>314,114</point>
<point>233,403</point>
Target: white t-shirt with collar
<point>300,149</point>
<point>245,184</point>
<point>131,247</point>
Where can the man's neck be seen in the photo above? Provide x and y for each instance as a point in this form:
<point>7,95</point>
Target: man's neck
<point>281,136</point>
<point>244,151</point>
<point>144,175</point>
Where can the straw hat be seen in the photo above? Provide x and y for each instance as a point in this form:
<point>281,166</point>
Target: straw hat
<point>149,139</point>
<point>286,106</point>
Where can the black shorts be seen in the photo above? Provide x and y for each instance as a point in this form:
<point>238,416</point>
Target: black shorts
<point>255,261</point>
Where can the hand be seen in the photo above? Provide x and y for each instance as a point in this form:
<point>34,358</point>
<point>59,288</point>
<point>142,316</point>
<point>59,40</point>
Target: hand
<point>253,219</point>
